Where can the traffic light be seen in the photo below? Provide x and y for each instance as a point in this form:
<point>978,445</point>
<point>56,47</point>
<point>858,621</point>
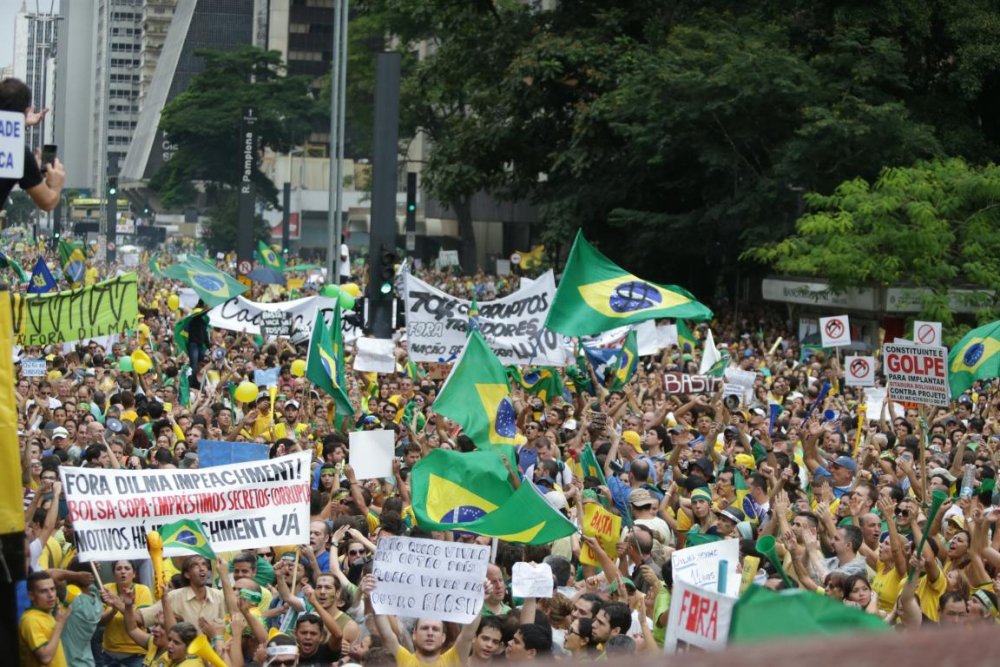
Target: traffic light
<point>112,186</point>
<point>387,270</point>
<point>411,202</point>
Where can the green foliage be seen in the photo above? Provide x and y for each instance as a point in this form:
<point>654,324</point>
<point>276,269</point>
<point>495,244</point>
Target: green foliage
<point>222,231</point>
<point>19,209</point>
<point>204,121</point>
<point>934,225</point>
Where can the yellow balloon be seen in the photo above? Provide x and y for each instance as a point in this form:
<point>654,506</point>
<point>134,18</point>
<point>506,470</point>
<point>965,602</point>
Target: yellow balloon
<point>141,366</point>
<point>173,302</point>
<point>352,289</point>
<point>298,368</point>
<point>247,392</point>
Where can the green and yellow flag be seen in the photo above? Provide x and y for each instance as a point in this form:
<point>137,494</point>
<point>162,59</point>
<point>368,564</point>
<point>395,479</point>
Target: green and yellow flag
<point>325,363</point>
<point>596,295</point>
<point>73,261</point>
<point>476,396</point>
<point>543,382</point>
<point>154,265</point>
<point>472,492</point>
<point>628,361</point>
<point>186,537</point>
<point>976,357</point>
<point>213,285</point>
<point>11,506</point>
<point>269,258</point>
<point>686,341</point>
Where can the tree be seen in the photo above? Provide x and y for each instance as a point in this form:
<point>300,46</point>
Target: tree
<point>204,123</point>
<point>934,225</point>
<point>222,231</point>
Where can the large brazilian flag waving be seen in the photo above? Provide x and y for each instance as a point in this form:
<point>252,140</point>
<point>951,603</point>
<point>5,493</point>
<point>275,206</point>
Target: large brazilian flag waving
<point>596,295</point>
<point>213,285</point>
<point>976,357</point>
<point>472,492</point>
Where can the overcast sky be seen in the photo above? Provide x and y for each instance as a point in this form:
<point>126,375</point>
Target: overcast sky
<point>8,10</point>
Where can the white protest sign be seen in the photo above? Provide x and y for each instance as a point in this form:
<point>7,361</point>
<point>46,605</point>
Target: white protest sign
<point>32,368</point>
<point>927,333</point>
<point>699,618</point>
<point>239,314</point>
<point>645,337</point>
<point>835,331</point>
<point>666,335</point>
<point>188,298</point>
<point>531,580</point>
<point>11,144</point>
<point>917,373</point>
<point>420,578</point>
<point>874,402</point>
<point>371,453</point>
<point>448,258</point>
<point>700,565</point>
<point>375,355</point>
<point>514,326</point>
<point>242,506</point>
<point>859,371</point>
<point>744,379</point>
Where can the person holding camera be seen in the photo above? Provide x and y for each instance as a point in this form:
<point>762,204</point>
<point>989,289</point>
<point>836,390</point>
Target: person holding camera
<point>43,183</point>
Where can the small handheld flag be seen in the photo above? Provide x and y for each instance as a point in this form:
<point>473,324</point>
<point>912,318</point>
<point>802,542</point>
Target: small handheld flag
<point>41,280</point>
<point>185,537</point>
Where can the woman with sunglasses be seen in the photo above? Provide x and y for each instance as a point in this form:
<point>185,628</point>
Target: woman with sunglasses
<point>579,642</point>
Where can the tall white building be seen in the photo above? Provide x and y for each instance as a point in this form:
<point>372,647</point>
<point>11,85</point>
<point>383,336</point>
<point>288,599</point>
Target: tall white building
<point>35,38</point>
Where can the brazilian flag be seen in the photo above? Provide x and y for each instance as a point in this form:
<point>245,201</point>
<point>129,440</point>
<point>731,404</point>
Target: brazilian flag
<point>185,537</point>
<point>73,261</point>
<point>596,295</point>
<point>476,396</point>
<point>269,258</point>
<point>473,492</point>
<point>8,262</point>
<point>414,372</point>
<point>213,285</point>
<point>542,382</point>
<point>154,265</point>
<point>628,362</point>
<point>686,342</point>
<point>589,466</point>
<point>976,357</point>
<point>325,362</point>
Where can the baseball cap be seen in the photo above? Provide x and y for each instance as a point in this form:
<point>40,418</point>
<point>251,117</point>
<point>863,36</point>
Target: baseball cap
<point>844,461</point>
<point>293,403</point>
<point>556,500</point>
<point>706,466</point>
<point>745,460</point>
<point>632,438</point>
<point>59,432</point>
<point>641,498</point>
<point>733,513</point>
<point>546,480</point>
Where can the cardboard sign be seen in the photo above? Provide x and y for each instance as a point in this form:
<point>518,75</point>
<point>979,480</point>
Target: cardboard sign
<point>699,618</point>
<point>11,144</point>
<point>916,373</point>
<point>420,578</point>
<point>835,331</point>
<point>927,333</point>
<point>242,506</point>
<point>605,526</point>
<point>684,383</point>
<point>531,580</point>
<point>699,565</point>
<point>214,453</point>
<point>371,453</point>
<point>32,368</point>
<point>859,371</point>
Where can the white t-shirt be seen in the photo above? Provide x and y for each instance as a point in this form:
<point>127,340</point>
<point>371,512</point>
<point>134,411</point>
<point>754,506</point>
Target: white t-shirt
<point>345,261</point>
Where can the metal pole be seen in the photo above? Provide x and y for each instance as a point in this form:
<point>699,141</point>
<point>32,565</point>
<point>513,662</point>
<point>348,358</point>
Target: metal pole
<point>333,238</point>
<point>341,122</point>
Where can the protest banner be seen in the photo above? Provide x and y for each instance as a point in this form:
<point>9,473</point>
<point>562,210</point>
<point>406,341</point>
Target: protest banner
<point>108,307</point>
<point>916,373</point>
<point>603,525</point>
<point>531,580</point>
<point>835,331</point>
<point>242,506</point>
<point>275,323</point>
<point>12,129</point>
<point>927,333</point>
<point>214,453</point>
<point>513,326</point>
<point>685,383</point>
<point>699,565</point>
<point>371,453</point>
<point>447,258</point>
<point>859,371</point>
<point>699,618</point>
<point>420,578</point>
<point>239,314</point>
<point>32,368</point>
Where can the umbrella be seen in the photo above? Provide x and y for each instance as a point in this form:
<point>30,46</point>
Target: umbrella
<point>267,276</point>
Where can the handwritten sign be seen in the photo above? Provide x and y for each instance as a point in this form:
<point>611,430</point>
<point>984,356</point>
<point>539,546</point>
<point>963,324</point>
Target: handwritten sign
<point>684,383</point>
<point>421,578</point>
<point>917,373</point>
<point>275,323</point>
<point>32,368</point>
<point>699,618</point>
<point>11,144</point>
<point>239,314</point>
<point>531,580</point>
<point>603,525</point>
<point>699,565</point>
<point>106,308</point>
<point>371,453</point>
<point>242,506</point>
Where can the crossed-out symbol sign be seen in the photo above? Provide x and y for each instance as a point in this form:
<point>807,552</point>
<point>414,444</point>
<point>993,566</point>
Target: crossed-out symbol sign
<point>834,328</point>
<point>858,368</point>
<point>925,334</point>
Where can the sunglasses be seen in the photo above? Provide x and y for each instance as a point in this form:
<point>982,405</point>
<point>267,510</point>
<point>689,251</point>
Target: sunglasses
<point>356,552</point>
<point>903,513</point>
<point>287,662</point>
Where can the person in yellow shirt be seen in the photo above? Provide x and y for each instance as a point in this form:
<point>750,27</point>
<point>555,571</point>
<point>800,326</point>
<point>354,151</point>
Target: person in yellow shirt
<point>41,627</point>
<point>178,639</point>
<point>118,646</point>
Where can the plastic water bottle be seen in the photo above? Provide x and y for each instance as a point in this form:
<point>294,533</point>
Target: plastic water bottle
<point>968,480</point>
